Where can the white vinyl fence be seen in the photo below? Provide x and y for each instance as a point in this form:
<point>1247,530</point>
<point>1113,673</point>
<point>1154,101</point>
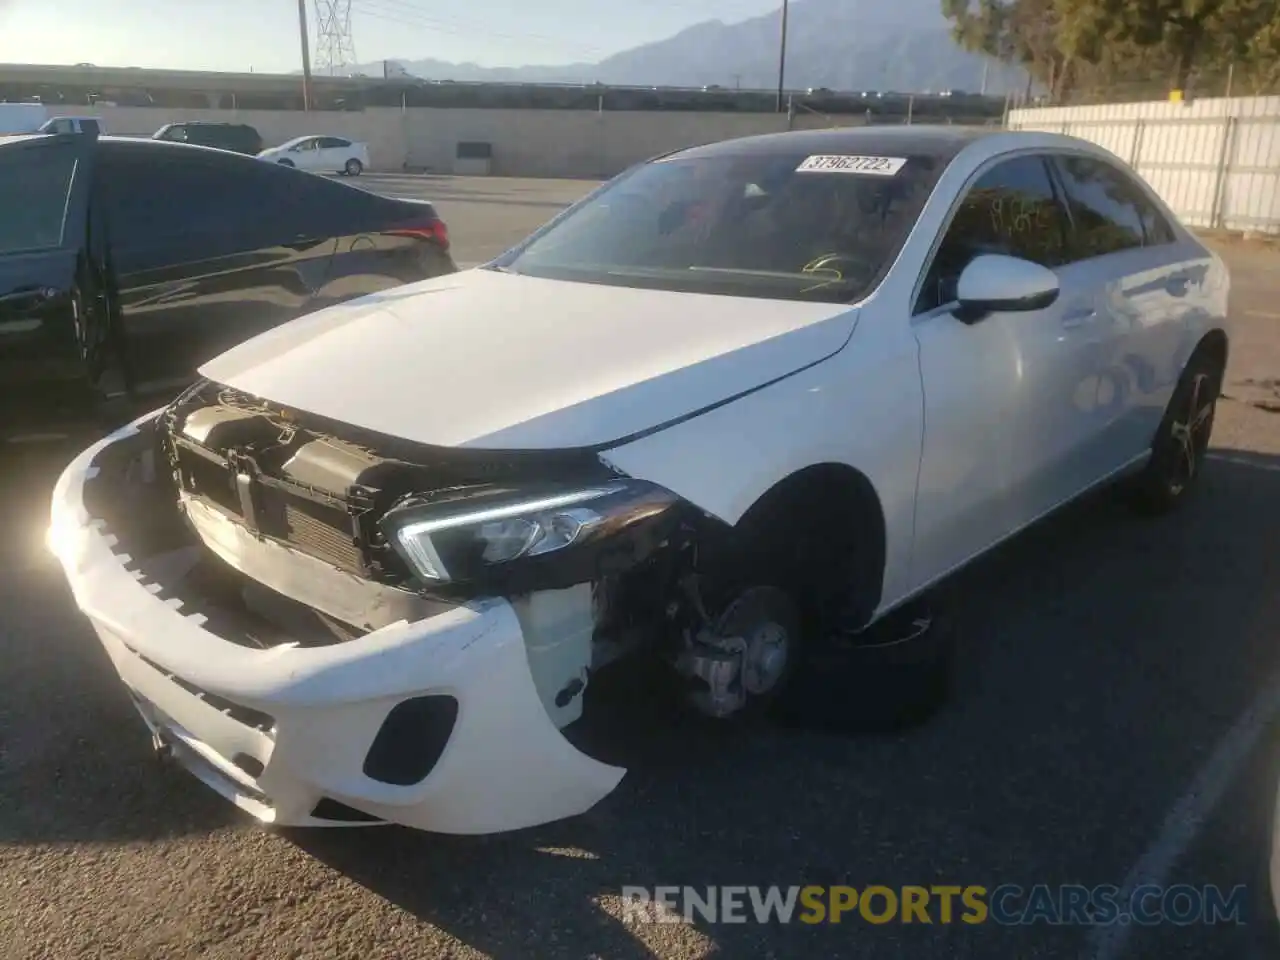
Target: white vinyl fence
<point>1216,162</point>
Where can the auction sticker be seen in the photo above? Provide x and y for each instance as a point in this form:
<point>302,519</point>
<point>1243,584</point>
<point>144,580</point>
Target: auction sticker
<point>868,166</point>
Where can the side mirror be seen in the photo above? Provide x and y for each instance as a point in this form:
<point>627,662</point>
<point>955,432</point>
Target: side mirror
<point>993,283</point>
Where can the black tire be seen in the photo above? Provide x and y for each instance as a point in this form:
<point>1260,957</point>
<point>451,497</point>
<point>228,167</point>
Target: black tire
<point>353,167</point>
<point>285,163</point>
<point>1182,440</point>
<point>894,675</point>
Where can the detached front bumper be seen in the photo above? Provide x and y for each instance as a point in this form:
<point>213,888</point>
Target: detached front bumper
<point>280,731</point>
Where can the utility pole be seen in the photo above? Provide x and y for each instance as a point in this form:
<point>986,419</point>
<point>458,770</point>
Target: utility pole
<point>782,56</point>
<point>306,56</point>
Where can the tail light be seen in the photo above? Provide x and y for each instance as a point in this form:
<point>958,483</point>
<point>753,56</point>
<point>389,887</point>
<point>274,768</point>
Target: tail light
<point>433,229</point>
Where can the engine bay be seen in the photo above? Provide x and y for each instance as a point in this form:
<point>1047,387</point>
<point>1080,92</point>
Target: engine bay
<point>300,505</point>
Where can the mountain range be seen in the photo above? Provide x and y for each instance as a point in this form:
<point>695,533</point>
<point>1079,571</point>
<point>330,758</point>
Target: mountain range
<point>901,45</point>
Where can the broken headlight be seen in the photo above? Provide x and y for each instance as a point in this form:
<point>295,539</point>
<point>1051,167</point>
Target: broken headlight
<point>459,538</point>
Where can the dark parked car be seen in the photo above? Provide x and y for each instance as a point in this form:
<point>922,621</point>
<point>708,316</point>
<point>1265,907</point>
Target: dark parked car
<point>126,263</point>
<point>236,137</point>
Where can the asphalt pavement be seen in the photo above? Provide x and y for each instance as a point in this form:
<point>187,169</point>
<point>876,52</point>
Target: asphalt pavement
<point>1114,722</point>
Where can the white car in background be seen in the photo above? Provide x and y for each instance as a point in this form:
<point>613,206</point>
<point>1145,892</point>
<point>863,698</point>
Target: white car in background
<point>321,155</point>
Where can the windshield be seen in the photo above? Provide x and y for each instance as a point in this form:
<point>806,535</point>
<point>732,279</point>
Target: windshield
<point>785,226</point>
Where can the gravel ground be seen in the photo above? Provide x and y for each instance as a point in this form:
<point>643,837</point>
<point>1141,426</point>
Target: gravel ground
<point>1105,660</point>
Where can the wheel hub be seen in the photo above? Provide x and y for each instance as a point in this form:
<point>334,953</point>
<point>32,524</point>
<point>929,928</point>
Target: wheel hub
<point>765,658</point>
<point>1189,434</point>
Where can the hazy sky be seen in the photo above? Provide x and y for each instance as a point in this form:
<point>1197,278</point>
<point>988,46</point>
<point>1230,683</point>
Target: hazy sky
<point>263,34</point>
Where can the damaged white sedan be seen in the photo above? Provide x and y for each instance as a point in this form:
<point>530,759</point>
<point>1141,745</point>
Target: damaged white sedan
<point>741,401</point>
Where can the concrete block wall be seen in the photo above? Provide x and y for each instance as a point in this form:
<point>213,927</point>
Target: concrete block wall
<point>527,143</point>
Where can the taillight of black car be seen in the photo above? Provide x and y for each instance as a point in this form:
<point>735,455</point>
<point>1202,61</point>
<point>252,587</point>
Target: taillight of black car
<point>428,228</point>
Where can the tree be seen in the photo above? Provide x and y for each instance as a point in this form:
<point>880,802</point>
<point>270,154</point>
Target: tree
<point>1188,31</point>
<point>1024,32</point>
<point>1097,45</point>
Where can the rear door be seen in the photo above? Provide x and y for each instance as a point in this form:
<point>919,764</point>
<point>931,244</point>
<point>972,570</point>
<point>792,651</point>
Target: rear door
<point>1143,273</point>
<point>51,332</point>
<point>208,249</point>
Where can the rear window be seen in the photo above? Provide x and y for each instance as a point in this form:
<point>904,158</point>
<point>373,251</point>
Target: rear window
<point>35,183</point>
<point>776,226</point>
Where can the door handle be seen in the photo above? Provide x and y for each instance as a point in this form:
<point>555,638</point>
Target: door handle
<point>1078,317</point>
<point>32,295</point>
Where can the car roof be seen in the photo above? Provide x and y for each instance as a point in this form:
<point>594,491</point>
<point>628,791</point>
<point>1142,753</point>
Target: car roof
<point>205,123</point>
<point>148,143</point>
<point>129,143</point>
<point>943,142</point>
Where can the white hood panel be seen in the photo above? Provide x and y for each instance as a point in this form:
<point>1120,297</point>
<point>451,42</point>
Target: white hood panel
<point>498,361</point>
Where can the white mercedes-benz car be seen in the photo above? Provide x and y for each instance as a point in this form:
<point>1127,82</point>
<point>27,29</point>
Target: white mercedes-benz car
<point>321,155</point>
<point>740,400</point>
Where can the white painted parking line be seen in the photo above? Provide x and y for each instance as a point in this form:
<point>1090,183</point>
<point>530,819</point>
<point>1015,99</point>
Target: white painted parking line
<point>1244,462</point>
<point>1189,815</point>
<point>1264,314</point>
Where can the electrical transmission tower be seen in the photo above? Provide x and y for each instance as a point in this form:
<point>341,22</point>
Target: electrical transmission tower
<point>335,48</point>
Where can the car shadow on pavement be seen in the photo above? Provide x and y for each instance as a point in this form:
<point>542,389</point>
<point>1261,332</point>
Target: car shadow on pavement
<point>1103,656</point>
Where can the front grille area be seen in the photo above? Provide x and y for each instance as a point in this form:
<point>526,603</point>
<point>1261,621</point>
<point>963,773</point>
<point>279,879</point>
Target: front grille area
<point>323,529</point>
<point>316,537</point>
<point>248,716</point>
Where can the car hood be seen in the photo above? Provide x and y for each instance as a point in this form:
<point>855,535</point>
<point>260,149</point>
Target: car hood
<point>500,361</point>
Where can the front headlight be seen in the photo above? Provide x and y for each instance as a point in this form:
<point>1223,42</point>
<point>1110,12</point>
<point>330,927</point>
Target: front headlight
<point>460,538</point>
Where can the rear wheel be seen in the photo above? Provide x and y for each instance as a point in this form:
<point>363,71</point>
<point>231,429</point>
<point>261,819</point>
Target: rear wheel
<point>353,167</point>
<point>1182,441</point>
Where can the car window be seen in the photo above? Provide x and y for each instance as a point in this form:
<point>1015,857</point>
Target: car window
<point>168,206</point>
<point>1110,211</point>
<point>202,136</point>
<point>306,145</point>
<point>35,184</point>
<point>769,225</point>
<point>328,143</point>
<point>1012,209</point>
<point>175,133</point>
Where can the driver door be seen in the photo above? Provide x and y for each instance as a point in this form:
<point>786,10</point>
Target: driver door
<point>1009,398</point>
<point>307,155</point>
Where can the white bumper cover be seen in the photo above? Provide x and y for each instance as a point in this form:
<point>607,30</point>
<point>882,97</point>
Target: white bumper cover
<point>505,765</point>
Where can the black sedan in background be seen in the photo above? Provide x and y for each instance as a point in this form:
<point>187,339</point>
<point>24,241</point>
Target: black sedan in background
<point>126,263</point>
